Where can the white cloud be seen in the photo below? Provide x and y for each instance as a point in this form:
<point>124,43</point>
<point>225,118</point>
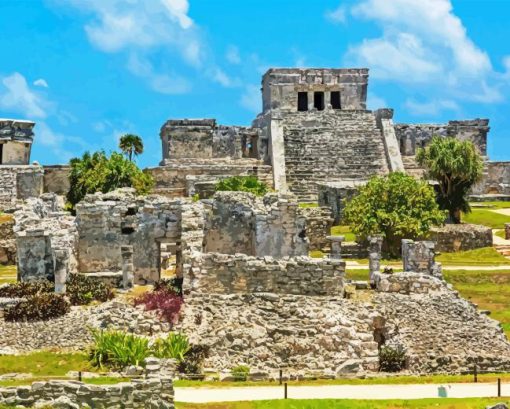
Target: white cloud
<point>233,56</point>
<point>251,98</point>
<point>339,15</point>
<point>423,44</point>
<point>219,76</point>
<point>41,82</point>
<point>16,96</point>
<point>430,108</point>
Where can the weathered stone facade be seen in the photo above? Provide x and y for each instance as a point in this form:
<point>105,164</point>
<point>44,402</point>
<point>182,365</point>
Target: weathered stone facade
<point>16,137</point>
<point>19,182</point>
<point>7,241</point>
<point>56,179</point>
<point>318,226</point>
<point>461,237</point>
<point>334,194</point>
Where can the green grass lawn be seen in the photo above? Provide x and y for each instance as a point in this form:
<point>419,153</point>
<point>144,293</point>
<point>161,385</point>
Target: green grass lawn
<point>45,363</point>
<point>480,257</point>
<point>7,274</point>
<point>471,403</point>
<point>305,205</point>
<point>491,205</point>
<point>487,218</point>
<point>343,231</point>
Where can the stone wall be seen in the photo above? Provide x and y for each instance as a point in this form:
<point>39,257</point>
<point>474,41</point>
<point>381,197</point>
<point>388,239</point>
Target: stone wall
<point>229,274</point>
<point>413,136</point>
<point>177,178</point>
<point>7,241</point>
<point>461,237</point>
<point>19,183</point>
<point>106,222</point>
<point>496,179</point>
<point>325,146</point>
<point>16,137</point>
<point>333,194</point>
<point>408,283</point>
<point>139,393</point>
<point>56,179</point>
<point>318,226</point>
<point>239,222</point>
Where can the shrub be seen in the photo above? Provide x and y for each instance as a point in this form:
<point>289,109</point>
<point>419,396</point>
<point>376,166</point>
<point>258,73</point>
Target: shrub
<point>174,346</point>
<point>172,285</point>
<point>193,361</point>
<point>26,289</point>
<point>118,349</point>
<point>391,359</point>
<point>166,303</point>
<point>242,184</point>
<point>82,290</point>
<point>240,373</point>
<point>39,307</point>
<point>396,206</point>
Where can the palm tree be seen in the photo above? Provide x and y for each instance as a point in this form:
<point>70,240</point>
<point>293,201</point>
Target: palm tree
<point>131,144</point>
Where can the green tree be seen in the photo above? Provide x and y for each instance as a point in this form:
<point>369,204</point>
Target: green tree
<point>243,184</point>
<point>98,172</point>
<point>456,166</point>
<point>397,207</point>
<point>131,144</point>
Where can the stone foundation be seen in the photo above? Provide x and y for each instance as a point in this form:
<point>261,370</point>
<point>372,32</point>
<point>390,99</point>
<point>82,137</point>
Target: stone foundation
<point>461,237</point>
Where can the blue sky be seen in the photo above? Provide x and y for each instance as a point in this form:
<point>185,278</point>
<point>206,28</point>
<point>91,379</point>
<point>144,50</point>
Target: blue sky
<point>88,71</point>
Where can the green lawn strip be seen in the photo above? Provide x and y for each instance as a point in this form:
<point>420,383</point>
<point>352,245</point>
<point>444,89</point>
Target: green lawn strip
<point>437,403</point>
<point>45,363</point>
<point>343,231</point>
<point>486,256</point>
<point>305,205</point>
<point>487,218</point>
<point>7,272</point>
<point>491,205</point>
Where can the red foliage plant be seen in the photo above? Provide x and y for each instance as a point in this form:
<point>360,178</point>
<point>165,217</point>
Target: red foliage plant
<point>166,303</point>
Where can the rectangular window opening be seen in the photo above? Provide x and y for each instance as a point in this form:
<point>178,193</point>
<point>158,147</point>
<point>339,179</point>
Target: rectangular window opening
<point>1,152</point>
<point>302,101</point>
<point>318,100</point>
<point>335,100</point>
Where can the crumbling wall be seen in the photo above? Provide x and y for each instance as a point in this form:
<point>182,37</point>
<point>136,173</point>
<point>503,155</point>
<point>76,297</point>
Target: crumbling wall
<point>334,194</point>
<point>106,222</point>
<point>56,179</point>
<point>7,241</point>
<point>230,274</point>
<point>19,182</point>
<point>318,226</point>
<point>461,237</point>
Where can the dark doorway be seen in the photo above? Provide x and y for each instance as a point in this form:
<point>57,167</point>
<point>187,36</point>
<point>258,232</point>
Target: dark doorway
<point>335,100</point>
<point>318,101</point>
<point>1,152</point>
<point>302,101</point>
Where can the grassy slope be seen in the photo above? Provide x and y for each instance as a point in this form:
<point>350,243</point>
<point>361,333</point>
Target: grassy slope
<point>487,218</point>
<point>44,363</point>
<point>7,274</point>
<point>479,257</point>
<point>343,231</point>
<point>350,404</point>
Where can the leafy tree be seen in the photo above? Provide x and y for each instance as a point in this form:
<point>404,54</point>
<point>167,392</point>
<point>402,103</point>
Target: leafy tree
<point>457,166</point>
<point>397,207</point>
<point>131,144</point>
<point>243,184</point>
<point>97,172</point>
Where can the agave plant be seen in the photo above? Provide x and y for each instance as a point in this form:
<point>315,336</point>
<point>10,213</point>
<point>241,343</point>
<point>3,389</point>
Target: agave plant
<point>175,346</point>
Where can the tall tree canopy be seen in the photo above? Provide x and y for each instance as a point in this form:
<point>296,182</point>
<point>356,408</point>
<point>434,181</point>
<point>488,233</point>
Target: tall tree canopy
<point>131,144</point>
<point>396,206</point>
<point>97,172</point>
<point>456,166</point>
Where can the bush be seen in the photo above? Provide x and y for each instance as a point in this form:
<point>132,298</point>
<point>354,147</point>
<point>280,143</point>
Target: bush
<point>39,307</point>
<point>118,349</point>
<point>391,359</point>
<point>193,361</point>
<point>243,184</point>
<point>172,285</point>
<point>26,289</point>
<point>240,373</point>
<point>82,290</point>
<point>397,207</point>
<point>99,173</point>
<point>174,346</point>
<point>165,302</point>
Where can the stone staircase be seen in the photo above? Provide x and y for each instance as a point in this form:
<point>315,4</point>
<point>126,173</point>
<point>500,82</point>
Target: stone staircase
<point>326,145</point>
<point>504,250</point>
<point>411,167</point>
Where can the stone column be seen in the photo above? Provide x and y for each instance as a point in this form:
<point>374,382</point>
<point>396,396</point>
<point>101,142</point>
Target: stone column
<point>60,268</point>
<point>128,277</point>
<point>336,246</point>
<point>310,100</point>
<point>374,255</point>
<point>327,100</point>
<point>507,231</point>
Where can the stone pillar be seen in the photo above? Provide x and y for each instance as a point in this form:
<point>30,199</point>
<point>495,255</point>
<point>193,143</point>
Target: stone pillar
<point>327,100</point>
<point>507,231</point>
<point>128,277</point>
<point>61,269</point>
<point>336,246</point>
<point>419,257</point>
<point>310,100</point>
<point>374,255</point>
